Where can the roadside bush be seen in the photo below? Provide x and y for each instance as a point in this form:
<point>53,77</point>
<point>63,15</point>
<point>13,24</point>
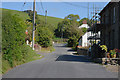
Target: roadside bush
<point>97,51</point>
<point>13,39</point>
<point>72,41</point>
<point>44,36</point>
<point>27,53</point>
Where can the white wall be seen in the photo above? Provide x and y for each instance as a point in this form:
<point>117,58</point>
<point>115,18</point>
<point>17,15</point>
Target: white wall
<point>84,41</point>
<point>84,26</point>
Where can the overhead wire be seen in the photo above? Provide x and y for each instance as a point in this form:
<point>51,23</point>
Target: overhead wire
<point>42,6</point>
<point>23,6</point>
<point>78,6</point>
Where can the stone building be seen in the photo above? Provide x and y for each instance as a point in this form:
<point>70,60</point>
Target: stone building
<point>110,25</point>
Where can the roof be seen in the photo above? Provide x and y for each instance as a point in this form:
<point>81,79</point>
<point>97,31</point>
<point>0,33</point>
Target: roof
<point>105,8</point>
<point>84,22</point>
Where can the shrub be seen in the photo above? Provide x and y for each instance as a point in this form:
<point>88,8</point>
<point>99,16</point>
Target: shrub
<point>98,51</point>
<point>84,30</point>
<point>104,47</point>
<point>44,36</point>
<point>13,40</point>
<point>72,42</point>
<point>13,34</point>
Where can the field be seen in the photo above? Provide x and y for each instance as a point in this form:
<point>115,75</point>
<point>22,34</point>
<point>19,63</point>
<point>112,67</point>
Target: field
<point>50,20</point>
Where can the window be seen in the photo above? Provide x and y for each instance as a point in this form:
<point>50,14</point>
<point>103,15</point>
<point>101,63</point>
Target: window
<point>114,15</point>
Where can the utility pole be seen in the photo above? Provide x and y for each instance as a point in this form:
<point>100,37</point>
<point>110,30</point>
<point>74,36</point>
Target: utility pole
<point>88,10</point>
<point>93,23</point>
<point>46,17</point>
<point>62,33</point>
<point>33,33</point>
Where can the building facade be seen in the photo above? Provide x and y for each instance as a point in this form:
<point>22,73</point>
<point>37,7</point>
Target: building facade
<point>110,25</point>
<point>83,40</point>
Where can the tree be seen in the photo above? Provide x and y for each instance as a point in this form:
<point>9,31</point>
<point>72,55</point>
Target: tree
<point>84,30</point>
<point>30,13</point>
<point>69,27</point>
<point>73,20</point>
<point>44,36</point>
<point>72,17</point>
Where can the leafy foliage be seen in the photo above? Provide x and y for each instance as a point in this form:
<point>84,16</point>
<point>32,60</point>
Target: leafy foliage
<point>72,42</point>
<point>112,52</point>
<point>44,36</point>
<point>104,47</point>
<point>44,32</point>
<point>13,39</point>
<point>98,51</point>
<point>72,17</point>
<point>30,13</point>
<point>14,24</point>
<point>68,28</point>
<point>84,30</point>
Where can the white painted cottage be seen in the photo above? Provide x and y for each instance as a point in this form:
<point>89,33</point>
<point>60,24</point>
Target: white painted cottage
<point>83,41</point>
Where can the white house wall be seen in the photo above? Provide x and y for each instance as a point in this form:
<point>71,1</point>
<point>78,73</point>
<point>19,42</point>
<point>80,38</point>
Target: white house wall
<point>84,26</point>
<point>84,42</point>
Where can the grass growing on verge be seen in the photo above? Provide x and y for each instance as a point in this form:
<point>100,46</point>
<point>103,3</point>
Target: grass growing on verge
<point>48,49</point>
<point>0,65</point>
<point>6,65</point>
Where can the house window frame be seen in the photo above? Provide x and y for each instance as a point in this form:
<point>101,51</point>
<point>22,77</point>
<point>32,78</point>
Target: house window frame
<point>114,14</point>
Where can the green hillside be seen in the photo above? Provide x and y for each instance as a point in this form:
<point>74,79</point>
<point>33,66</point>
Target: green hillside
<point>22,15</point>
<point>50,20</point>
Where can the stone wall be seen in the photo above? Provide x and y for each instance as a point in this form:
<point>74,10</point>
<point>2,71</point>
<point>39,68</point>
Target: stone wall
<point>82,51</point>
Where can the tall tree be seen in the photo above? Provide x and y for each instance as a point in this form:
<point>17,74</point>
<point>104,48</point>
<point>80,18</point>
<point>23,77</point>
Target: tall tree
<point>69,27</point>
<point>73,17</point>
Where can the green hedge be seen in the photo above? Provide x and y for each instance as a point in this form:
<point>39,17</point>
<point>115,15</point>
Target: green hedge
<point>13,39</point>
<point>44,36</point>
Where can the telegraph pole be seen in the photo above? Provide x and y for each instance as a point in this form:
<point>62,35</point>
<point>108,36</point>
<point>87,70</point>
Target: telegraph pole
<point>33,33</point>
<point>46,17</point>
<point>88,10</point>
<point>93,23</point>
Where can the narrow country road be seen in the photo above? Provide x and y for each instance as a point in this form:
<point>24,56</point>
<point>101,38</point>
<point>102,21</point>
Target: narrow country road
<point>60,64</point>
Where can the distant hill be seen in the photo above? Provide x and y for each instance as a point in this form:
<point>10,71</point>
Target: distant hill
<point>51,20</point>
<point>23,15</point>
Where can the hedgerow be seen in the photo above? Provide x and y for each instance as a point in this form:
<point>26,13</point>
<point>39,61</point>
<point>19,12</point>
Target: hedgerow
<point>13,39</point>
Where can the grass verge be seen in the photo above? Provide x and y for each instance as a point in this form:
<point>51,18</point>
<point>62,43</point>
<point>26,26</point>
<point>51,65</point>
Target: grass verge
<point>48,49</point>
<point>6,65</point>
